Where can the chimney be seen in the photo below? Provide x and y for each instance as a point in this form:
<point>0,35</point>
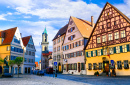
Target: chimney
<point>92,24</point>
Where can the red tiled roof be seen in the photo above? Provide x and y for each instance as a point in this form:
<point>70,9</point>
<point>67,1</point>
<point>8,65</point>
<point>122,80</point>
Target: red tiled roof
<point>46,54</point>
<point>26,40</point>
<point>8,35</point>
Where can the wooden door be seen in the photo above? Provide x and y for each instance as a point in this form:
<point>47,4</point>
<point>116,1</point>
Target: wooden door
<point>78,67</point>
<point>59,68</point>
<point>107,67</point>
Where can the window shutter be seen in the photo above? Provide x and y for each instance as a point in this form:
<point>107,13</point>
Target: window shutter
<point>91,53</point>
<point>114,49</point>
<point>86,54</point>
<point>96,52</point>
<point>121,49</point>
<point>73,36</point>
<point>101,51</point>
<point>127,47</point>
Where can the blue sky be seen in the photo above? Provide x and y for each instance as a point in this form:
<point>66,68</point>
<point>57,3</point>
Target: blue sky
<point>31,16</point>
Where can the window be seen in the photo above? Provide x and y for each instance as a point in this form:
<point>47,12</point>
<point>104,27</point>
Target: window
<point>104,38</point>
<point>72,66</point>
<point>89,66</point>
<point>71,29</point>
<point>58,40</point>
<point>124,48</point>
<point>100,66</point>
<point>119,65</point>
<point>99,52</point>
<point>74,54</point>
<point>94,53</point>
<point>111,50</point>
<point>70,46</point>
<point>114,22</point>
<point>82,66</point>
<point>102,26</point>
<point>81,53</point>
<point>72,37</point>
<point>105,51</point>
<point>94,66</point>
<point>75,66</point>
<point>98,40</point>
<point>126,64</point>
<point>108,24</point>
<point>33,53</point>
<point>117,49</point>
<point>8,48</point>
<point>108,14</point>
<point>116,34</point>
<point>77,44</point>
<point>26,52</point>
<point>25,59</point>
<point>78,53</point>
<point>12,48</point>
<point>62,38</point>
<point>123,34</point>
<point>54,42</point>
<point>29,52</point>
<point>110,37</point>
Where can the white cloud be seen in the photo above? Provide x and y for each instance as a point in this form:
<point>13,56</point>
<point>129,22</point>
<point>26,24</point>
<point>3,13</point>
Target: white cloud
<point>37,56</point>
<point>27,16</point>
<point>2,16</point>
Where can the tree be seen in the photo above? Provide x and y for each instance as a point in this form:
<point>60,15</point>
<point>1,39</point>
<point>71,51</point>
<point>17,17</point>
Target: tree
<point>11,63</point>
<point>18,61</point>
<point>1,62</point>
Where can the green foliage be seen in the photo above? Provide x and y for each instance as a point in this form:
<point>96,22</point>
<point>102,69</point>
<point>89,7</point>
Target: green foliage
<point>96,73</point>
<point>18,60</point>
<point>1,61</point>
<point>11,62</point>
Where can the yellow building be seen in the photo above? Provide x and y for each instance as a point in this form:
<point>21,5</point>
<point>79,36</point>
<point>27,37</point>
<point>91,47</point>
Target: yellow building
<point>108,47</point>
<point>11,46</point>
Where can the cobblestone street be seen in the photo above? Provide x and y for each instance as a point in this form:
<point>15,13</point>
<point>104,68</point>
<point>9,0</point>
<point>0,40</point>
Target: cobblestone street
<point>37,80</point>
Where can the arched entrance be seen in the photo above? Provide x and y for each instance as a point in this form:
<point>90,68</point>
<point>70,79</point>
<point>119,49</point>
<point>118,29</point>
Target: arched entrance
<point>59,67</point>
<point>0,70</point>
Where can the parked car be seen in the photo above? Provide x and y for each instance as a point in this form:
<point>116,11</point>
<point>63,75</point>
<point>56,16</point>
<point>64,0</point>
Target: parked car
<point>40,72</point>
<point>49,70</point>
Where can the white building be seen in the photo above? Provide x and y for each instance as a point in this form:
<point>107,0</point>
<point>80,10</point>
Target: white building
<point>29,54</point>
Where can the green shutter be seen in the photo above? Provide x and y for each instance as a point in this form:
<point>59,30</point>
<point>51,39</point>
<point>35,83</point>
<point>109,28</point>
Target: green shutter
<point>96,52</point>
<point>121,49</point>
<point>127,47</point>
<point>91,53</point>
<point>101,51</point>
<point>114,49</point>
<point>86,54</point>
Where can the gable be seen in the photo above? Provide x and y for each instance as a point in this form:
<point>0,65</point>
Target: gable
<point>75,32</point>
<point>110,20</point>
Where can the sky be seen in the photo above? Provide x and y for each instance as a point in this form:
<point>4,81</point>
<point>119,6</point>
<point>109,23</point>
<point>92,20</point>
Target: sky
<point>31,16</point>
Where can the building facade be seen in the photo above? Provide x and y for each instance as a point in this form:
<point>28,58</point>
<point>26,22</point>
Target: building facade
<point>45,51</point>
<point>109,44</point>
<point>76,37</point>
<point>29,54</point>
<point>11,46</point>
<point>58,48</point>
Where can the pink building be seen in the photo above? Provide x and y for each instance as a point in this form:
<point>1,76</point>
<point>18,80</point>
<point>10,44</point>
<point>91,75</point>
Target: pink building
<point>76,37</point>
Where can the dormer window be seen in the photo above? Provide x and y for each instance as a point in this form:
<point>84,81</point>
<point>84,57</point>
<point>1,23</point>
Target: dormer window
<point>71,29</point>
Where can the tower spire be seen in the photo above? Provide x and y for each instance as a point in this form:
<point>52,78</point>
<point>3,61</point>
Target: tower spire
<point>45,31</point>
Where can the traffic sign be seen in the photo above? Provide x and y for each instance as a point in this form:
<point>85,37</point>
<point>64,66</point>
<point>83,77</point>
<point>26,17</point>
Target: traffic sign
<point>55,63</point>
<point>112,62</point>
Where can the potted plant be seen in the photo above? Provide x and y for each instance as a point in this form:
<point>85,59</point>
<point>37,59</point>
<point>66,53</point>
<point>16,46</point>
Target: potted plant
<point>96,73</point>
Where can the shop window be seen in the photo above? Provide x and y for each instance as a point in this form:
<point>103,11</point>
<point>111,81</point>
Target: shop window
<point>89,66</point>
<point>82,66</point>
<point>119,65</point>
<point>123,34</point>
<point>64,67</point>
<point>75,66</point>
<point>116,34</point>
<point>98,40</point>
<point>100,66</point>
<point>94,66</point>
<point>126,64</point>
<point>110,37</point>
<point>72,66</point>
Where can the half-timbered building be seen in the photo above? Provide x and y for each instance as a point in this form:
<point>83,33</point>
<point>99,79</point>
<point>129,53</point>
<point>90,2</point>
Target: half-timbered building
<point>108,47</point>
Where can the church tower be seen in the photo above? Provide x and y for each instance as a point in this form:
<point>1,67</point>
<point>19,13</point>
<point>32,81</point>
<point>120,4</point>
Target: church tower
<point>45,42</point>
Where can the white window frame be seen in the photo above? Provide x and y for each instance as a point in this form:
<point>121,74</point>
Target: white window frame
<point>123,34</point>
<point>110,37</point>
<point>116,35</point>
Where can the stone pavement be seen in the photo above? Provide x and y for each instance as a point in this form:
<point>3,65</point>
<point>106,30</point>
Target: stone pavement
<point>37,80</point>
